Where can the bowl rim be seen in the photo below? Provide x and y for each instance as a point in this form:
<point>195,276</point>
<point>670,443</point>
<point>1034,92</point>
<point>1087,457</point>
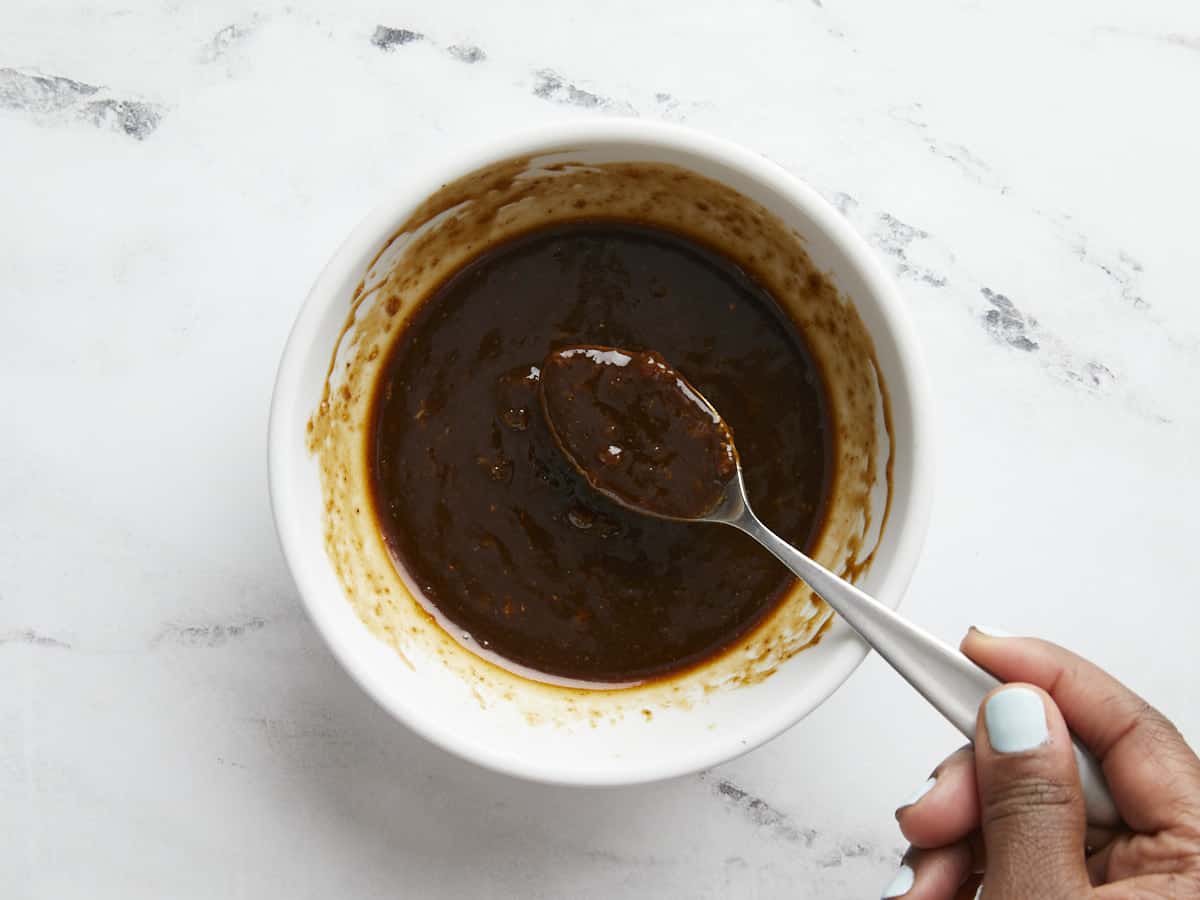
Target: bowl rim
<point>910,380</point>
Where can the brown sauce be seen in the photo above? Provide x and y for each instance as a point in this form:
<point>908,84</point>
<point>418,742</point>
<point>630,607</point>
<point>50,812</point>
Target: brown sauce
<point>637,431</point>
<point>498,530</point>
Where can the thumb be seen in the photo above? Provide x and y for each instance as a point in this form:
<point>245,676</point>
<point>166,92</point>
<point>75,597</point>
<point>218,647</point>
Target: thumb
<point>1030,801</point>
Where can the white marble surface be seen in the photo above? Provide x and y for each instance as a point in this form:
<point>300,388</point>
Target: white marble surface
<point>171,725</point>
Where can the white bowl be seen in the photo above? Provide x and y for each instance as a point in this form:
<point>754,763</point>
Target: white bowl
<point>616,749</point>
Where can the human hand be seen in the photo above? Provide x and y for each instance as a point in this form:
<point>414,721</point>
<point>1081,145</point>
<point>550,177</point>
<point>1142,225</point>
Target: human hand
<point>1011,806</point>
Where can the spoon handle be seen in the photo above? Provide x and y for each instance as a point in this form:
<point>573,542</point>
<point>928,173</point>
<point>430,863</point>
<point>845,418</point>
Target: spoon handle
<point>950,681</point>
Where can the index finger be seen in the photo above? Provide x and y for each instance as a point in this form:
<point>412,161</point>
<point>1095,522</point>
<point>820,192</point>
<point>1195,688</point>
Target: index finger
<point>1152,772</point>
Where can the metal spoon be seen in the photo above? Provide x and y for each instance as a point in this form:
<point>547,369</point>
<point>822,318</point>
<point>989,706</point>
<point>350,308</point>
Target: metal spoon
<point>950,681</point>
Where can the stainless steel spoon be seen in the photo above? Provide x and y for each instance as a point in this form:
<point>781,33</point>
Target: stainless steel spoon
<point>950,681</point>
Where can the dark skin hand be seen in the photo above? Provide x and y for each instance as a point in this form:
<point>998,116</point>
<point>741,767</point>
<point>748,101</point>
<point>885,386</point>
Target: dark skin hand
<point>1013,810</point>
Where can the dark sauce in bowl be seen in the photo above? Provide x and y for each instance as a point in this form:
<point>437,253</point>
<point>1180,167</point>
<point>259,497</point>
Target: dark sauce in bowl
<point>497,529</point>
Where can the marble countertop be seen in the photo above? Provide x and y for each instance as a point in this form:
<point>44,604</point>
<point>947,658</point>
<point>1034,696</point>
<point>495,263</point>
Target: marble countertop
<point>173,176</point>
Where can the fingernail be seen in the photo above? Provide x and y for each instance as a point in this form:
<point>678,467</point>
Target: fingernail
<point>919,793</point>
<point>900,884</point>
<point>979,891</point>
<point>989,631</point>
<point>1016,720</point>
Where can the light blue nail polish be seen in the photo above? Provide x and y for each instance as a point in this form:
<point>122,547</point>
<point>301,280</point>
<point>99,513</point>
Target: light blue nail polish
<point>920,792</point>
<point>989,631</point>
<point>900,884</point>
<point>1016,720</point>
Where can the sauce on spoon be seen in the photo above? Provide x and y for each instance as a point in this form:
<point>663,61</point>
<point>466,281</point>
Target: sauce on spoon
<point>637,430</point>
